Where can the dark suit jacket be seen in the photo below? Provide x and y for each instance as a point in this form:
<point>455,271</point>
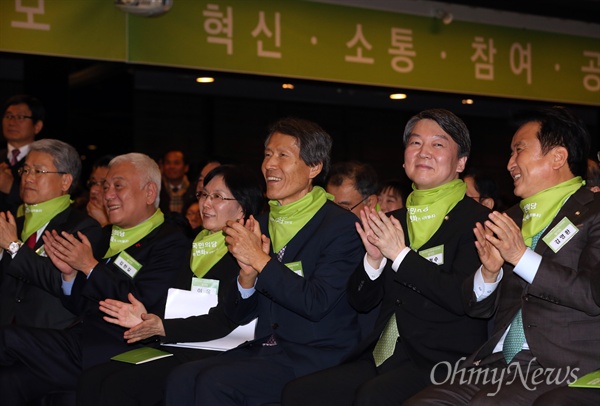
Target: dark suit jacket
<point>309,316</point>
<point>209,326</point>
<point>162,254</point>
<point>426,297</point>
<point>30,291</point>
<point>12,200</point>
<point>561,318</point>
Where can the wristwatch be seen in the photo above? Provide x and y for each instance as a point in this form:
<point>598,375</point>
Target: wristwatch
<point>13,247</point>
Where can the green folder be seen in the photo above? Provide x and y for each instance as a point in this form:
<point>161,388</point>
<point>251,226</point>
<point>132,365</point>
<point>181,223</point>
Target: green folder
<point>591,380</point>
<point>141,355</point>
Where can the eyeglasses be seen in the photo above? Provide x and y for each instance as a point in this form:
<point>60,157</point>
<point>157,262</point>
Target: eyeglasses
<point>32,171</point>
<point>213,196</point>
<point>92,182</point>
<point>356,205</point>
<point>19,117</point>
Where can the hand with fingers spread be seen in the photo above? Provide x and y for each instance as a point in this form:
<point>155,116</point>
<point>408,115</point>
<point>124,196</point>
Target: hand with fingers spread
<point>122,313</point>
<point>490,257</point>
<point>506,237</point>
<point>142,325</point>
<point>8,229</point>
<point>74,251</point>
<point>50,242</point>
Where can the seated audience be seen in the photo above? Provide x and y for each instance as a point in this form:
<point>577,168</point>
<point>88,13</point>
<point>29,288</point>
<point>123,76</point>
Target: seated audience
<point>391,195</point>
<point>295,262</point>
<point>95,205</point>
<point>30,285</point>
<point>416,261</point>
<point>540,265</point>
<point>175,182</point>
<point>229,193</point>
<point>481,188</point>
<point>144,256</point>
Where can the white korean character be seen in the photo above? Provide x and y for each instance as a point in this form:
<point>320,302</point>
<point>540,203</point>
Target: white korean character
<point>262,28</point>
<point>520,59</point>
<point>359,37</point>
<point>591,81</point>
<point>30,11</point>
<point>402,45</point>
<point>484,52</point>
<point>218,26</point>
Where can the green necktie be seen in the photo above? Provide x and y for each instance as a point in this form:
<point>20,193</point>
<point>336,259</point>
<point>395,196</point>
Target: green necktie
<point>514,340</point>
<point>387,342</point>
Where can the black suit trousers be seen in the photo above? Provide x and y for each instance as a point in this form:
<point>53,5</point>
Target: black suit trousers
<point>34,362</point>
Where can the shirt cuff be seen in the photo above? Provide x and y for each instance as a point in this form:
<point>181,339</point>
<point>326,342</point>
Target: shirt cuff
<point>482,289</point>
<point>372,272</point>
<point>528,265</point>
<point>67,287</point>
<point>400,258</point>
<point>246,293</point>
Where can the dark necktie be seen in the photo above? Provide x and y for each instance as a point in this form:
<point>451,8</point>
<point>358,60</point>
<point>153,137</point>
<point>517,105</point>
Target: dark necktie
<point>13,159</point>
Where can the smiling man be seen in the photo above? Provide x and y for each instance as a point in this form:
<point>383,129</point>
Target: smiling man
<point>30,283</point>
<point>295,262</point>
<point>353,185</point>
<point>539,277</point>
<point>22,120</point>
<point>144,256</point>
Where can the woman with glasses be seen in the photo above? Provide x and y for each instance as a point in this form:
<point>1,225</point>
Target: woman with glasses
<point>229,193</point>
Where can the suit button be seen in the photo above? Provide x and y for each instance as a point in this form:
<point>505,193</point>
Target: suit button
<point>18,300</point>
<point>274,326</point>
<point>398,302</point>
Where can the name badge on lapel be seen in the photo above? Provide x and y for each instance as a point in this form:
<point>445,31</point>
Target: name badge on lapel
<point>560,235</point>
<point>296,267</point>
<point>128,264</point>
<point>206,286</point>
<point>434,254</point>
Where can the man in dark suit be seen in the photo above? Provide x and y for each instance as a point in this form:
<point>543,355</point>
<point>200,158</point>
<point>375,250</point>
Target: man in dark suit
<point>414,267</point>
<point>30,285</point>
<point>22,119</point>
<point>540,266</point>
<point>144,256</point>
<point>292,277</point>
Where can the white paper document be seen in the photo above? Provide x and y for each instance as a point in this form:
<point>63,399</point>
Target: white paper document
<point>184,303</point>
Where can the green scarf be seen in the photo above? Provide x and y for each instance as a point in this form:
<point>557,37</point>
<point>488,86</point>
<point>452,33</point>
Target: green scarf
<point>285,221</point>
<point>541,208</point>
<point>36,215</point>
<point>123,238</point>
<point>426,209</point>
<point>207,249</point>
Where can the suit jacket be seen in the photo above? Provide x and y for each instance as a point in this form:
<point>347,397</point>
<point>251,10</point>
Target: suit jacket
<point>10,201</point>
<point>162,254</point>
<point>30,290</point>
<point>425,296</point>
<point>561,317</point>
<point>309,316</point>
<point>209,326</point>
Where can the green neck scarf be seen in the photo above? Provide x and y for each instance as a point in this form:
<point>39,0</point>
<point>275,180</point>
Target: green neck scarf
<point>285,221</point>
<point>426,209</point>
<point>123,238</point>
<point>36,215</point>
<point>207,249</point>
<point>541,208</point>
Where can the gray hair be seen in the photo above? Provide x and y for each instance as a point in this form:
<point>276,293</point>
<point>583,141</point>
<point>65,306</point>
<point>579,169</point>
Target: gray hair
<point>146,168</point>
<point>64,156</point>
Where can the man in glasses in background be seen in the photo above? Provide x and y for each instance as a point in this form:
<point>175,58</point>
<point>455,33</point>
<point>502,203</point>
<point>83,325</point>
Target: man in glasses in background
<point>48,175</point>
<point>354,185</point>
<point>22,120</point>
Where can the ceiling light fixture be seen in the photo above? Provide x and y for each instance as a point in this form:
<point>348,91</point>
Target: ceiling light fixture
<point>205,79</point>
<point>288,86</point>
<point>398,96</point>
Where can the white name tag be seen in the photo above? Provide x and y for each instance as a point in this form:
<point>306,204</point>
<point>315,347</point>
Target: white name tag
<point>128,264</point>
<point>206,286</point>
<point>434,254</point>
<point>560,235</point>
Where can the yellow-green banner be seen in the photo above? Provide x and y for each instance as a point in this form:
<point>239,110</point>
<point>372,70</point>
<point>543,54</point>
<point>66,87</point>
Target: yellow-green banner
<point>302,39</point>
